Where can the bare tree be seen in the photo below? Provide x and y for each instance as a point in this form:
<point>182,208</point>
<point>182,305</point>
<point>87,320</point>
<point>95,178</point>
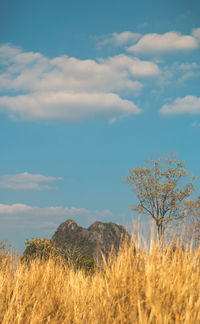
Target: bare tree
<point>161,190</point>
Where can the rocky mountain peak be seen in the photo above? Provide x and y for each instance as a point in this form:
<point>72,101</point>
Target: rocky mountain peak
<point>68,224</point>
<point>98,238</point>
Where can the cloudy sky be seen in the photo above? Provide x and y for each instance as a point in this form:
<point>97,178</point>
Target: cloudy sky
<point>88,90</point>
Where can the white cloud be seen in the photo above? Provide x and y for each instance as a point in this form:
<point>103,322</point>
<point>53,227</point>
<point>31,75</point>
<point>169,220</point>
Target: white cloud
<point>26,181</point>
<point>186,105</point>
<point>67,106</point>
<point>22,209</point>
<point>45,225</point>
<point>103,213</point>
<point>161,43</point>
<point>188,66</point>
<point>134,66</point>
<point>65,74</point>
<point>67,88</point>
<point>22,216</point>
<point>178,72</point>
<point>196,33</point>
<point>118,39</point>
<point>188,75</point>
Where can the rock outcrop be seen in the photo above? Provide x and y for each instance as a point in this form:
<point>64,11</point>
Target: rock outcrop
<point>97,239</point>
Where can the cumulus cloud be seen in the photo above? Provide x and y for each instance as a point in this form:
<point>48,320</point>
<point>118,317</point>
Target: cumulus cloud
<point>22,209</point>
<point>49,216</point>
<point>161,43</point>
<point>178,72</point>
<point>63,74</point>
<point>26,181</point>
<point>133,65</point>
<point>65,87</point>
<point>196,33</point>
<point>62,105</point>
<point>26,217</point>
<point>186,105</point>
<point>188,75</point>
<point>118,39</point>
<point>188,66</point>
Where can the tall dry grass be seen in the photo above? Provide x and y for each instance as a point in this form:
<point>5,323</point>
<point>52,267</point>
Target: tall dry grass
<point>153,287</point>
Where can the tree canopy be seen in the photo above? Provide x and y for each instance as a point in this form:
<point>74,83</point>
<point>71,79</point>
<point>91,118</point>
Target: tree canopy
<point>161,190</point>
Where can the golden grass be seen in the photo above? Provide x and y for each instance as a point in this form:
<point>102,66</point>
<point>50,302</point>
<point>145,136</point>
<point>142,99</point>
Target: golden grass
<point>154,287</point>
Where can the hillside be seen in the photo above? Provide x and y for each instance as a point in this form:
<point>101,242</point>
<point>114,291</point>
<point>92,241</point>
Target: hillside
<point>99,237</point>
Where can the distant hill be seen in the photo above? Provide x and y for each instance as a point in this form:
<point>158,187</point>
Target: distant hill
<point>99,237</point>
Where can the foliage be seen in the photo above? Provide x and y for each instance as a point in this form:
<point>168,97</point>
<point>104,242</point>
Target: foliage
<point>86,263</point>
<point>45,249</point>
<point>160,190</point>
<point>42,249</point>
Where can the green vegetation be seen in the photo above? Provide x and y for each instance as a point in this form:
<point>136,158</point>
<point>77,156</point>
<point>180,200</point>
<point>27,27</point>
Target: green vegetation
<point>86,263</point>
<point>160,191</point>
<point>42,249</point>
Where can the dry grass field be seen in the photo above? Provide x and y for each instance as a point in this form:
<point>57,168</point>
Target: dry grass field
<point>154,287</point>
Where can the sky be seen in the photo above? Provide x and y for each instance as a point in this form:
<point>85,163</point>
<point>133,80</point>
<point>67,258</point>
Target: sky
<point>88,90</point>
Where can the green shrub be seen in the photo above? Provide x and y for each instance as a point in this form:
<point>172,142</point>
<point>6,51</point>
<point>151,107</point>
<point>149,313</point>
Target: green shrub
<point>45,249</point>
<point>42,249</point>
<point>86,263</point>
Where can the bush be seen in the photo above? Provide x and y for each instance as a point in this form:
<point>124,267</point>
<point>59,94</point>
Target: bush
<point>86,263</point>
<point>42,249</point>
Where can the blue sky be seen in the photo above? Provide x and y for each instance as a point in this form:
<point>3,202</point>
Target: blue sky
<point>87,91</point>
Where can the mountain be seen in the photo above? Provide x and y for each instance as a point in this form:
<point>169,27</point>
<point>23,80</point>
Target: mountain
<point>99,237</point>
